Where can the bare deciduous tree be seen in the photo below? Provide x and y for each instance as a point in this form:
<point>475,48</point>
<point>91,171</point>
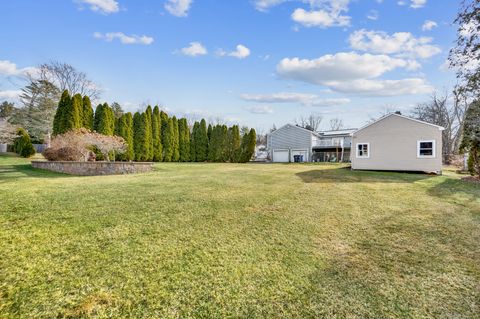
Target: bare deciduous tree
<point>336,124</point>
<point>447,110</point>
<point>311,122</point>
<point>66,77</point>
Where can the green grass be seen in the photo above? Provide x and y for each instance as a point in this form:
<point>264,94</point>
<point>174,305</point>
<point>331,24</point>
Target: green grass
<point>228,240</point>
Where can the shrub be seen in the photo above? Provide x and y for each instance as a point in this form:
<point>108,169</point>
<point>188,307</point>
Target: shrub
<point>68,154</point>
<point>23,144</point>
<point>82,141</point>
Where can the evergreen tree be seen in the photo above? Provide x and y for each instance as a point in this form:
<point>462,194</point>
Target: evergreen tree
<point>233,144</point>
<point>104,121</point>
<point>248,146</point>
<point>73,117</point>
<point>471,137</point>
<point>140,140</point>
<point>193,142</point>
<point>157,135</point>
<point>175,141</point>
<point>168,141</point>
<point>23,144</point>
<point>87,113</point>
<point>163,128</point>
<point>209,135</point>
<point>129,138</point>
<point>184,140</point>
<point>69,113</point>
<point>201,142</point>
<point>149,136</point>
<point>124,128</point>
<point>58,120</point>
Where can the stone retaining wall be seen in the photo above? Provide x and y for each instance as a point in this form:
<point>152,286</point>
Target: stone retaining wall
<point>94,168</point>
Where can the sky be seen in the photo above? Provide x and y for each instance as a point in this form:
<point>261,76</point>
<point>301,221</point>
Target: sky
<point>252,62</point>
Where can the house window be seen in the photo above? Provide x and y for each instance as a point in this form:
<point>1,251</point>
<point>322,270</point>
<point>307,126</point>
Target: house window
<point>426,149</point>
<point>363,150</point>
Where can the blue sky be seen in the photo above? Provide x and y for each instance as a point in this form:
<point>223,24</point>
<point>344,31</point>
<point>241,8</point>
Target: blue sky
<point>255,62</point>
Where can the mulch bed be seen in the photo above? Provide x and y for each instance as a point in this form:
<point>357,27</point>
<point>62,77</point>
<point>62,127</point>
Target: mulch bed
<point>471,179</point>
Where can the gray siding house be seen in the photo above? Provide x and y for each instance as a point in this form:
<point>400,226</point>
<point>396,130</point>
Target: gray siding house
<point>398,143</point>
<point>290,140</point>
<point>327,146</point>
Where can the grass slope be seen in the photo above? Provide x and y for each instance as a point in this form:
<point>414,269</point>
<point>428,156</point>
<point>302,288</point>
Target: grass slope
<point>221,240</point>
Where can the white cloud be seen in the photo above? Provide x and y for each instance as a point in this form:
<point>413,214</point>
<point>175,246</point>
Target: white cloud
<point>8,68</point>
<point>195,49</point>
<point>353,73</point>
<point>102,6</point>
<point>260,109</point>
<point>123,38</point>
<point>417,3</point>
<point>264,5</point>
<point>343,66</point>
<point>373,15</point>
<point>241,52</point>
<point>293,97</point>
<point>383,87</point>
<point>178,8</point>
<point>402,44</point>
<point>429,25</point>
<point>10,94</point>
<point>320,18</point>
<point>322,13</point>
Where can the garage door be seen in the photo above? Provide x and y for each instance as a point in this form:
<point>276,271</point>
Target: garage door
<point>280,156</point>
<point>304,153</point>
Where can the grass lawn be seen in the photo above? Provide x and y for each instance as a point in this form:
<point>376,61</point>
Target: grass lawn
<point>228,240</point>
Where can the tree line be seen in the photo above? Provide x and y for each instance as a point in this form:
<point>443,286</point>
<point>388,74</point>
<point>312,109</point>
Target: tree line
<point>153,135</point>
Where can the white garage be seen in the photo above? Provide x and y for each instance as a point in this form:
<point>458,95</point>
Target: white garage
<point>281,156</point>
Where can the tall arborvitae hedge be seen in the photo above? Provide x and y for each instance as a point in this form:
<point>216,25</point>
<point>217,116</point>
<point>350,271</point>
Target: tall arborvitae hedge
<point>209,136</point>
<point>176,140</point>
<point>69,114</point>
<point>87,113</point>
<point>104,121</point>
<point>167,137</point>
<point>217,150</point>
<point>249,141</point>
<point>140,137</point>
<point>233,144</point>
<point>201,142</point>
<point>157,135</point>
<point>58,121</point>
<point>148,123</point>
<point>193,142</point>
<point>184,140</point>
<point>124,128</point>
<point>73,117</point>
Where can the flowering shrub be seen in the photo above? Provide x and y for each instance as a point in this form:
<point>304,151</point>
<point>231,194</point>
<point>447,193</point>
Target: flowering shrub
<point>76,145</point>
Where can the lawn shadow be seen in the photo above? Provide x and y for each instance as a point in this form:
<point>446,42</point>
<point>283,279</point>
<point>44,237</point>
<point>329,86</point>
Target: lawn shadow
<point>15,172</point>
<point>451,186</point>
<point>345,175</point>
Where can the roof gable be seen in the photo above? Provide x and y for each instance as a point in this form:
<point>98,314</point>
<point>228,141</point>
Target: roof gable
<point>400,116</point>
<point>293,126</point>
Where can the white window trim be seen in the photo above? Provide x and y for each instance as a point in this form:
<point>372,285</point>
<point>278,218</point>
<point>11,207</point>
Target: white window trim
<point>368,150</point>
<point>433,146</point>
